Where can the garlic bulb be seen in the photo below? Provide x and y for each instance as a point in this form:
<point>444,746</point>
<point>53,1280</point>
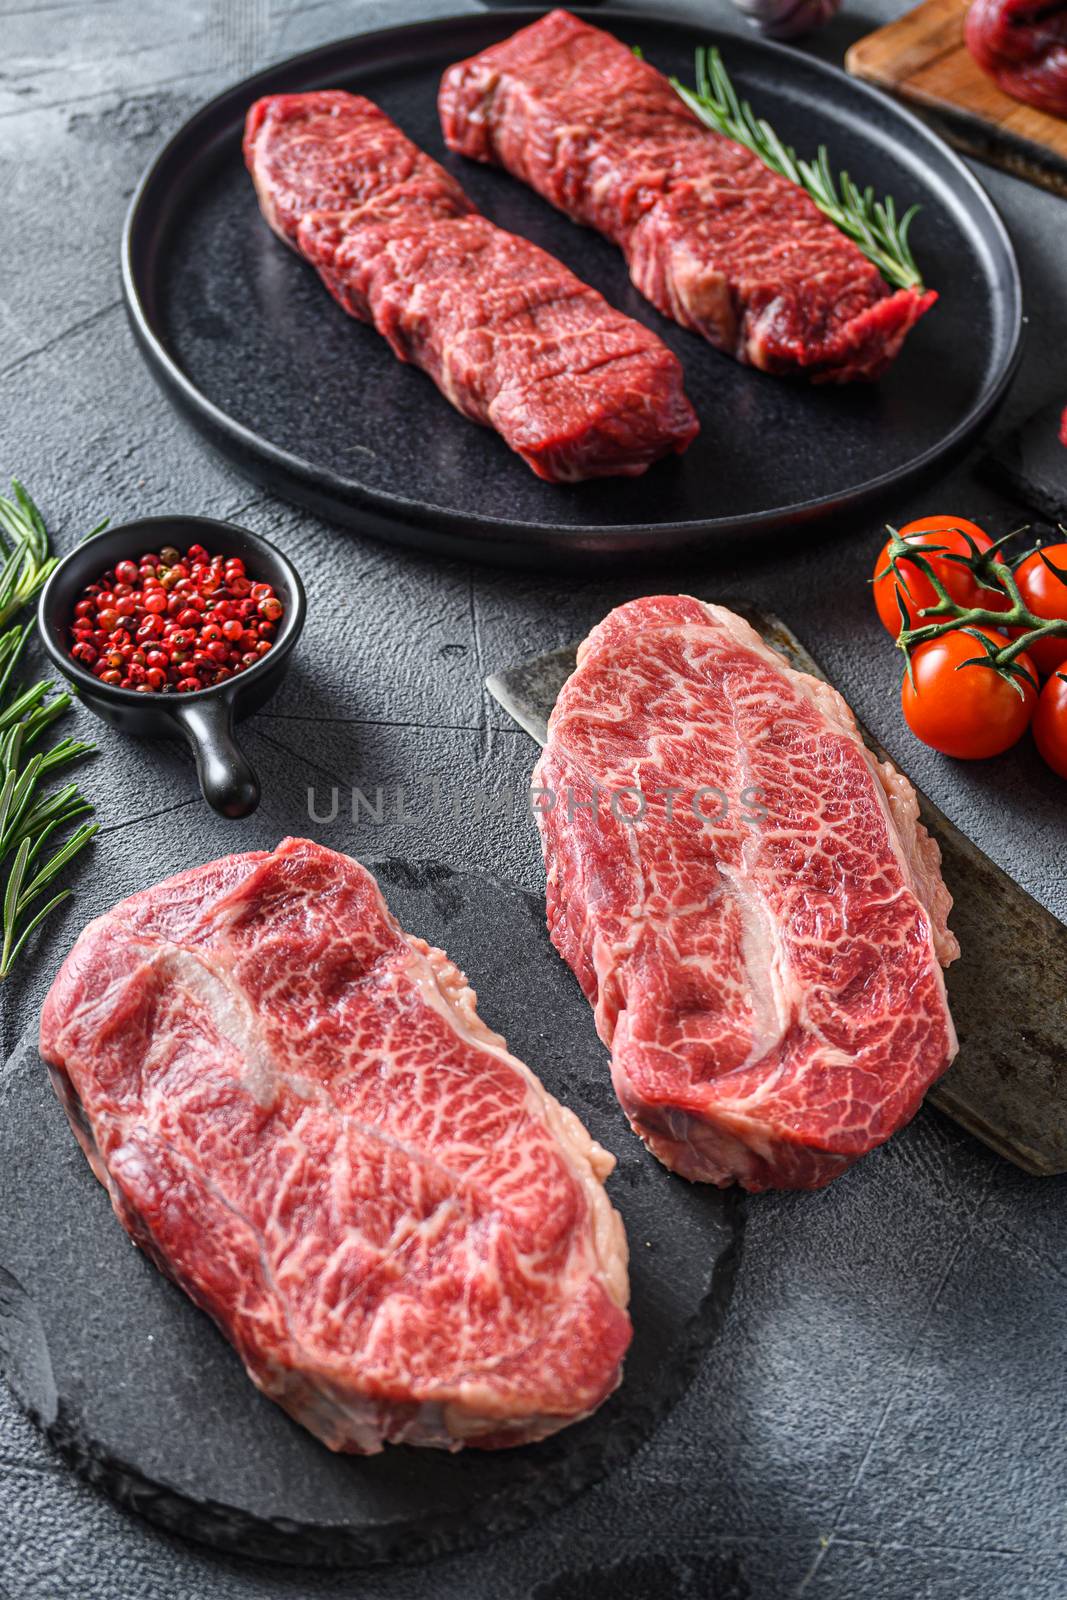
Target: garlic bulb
<point>788,19</point>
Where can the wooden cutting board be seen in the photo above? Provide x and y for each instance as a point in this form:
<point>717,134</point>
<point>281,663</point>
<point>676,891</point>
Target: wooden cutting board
<point>922,58</point>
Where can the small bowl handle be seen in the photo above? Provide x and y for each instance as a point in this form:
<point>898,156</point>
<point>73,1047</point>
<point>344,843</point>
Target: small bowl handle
<point>227,781</point>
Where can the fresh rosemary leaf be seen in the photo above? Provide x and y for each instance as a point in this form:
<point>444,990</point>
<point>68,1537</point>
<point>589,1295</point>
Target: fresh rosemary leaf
<point>872,224</point>
<point>24,549</point>
<point>24,545</point>
<point>66,852</point>
<point>12,891</point>
<point>55,811</point>
<point>65,751</point>
<point>11,952</point>
<point>30,818</point>
<point>11,644</point>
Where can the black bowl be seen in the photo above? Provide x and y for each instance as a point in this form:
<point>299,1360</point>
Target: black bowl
<point>204,718</point>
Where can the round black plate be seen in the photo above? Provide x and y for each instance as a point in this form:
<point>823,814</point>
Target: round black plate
<point>145,1397</point>
<point>247,342</point>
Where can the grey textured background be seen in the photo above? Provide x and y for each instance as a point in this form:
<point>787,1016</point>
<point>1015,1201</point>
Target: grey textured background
<point>884,1411</point>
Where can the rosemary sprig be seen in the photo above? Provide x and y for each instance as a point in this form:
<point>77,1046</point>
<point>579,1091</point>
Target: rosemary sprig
<point>24,549</point>
<point>948,615</point>
<point>872,224</point>
<point>31,817</point>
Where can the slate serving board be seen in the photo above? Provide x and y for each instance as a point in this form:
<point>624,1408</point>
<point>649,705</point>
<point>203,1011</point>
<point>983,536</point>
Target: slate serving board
<point>251,349</point>
<point>1008,990</point>
<point>1030,461</point>
<point>145,1398</point>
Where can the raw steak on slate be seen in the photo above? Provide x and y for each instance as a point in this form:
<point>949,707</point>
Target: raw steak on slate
<point>506,332</point>
<point>747,898</point>
<point>301,1118</point>
<point>711,236</point>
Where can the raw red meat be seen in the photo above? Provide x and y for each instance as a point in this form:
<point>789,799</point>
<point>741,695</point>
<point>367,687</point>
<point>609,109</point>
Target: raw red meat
<point>713,238</point>
<point>747,898</point>
<point>301,1118</point>
<point>511,337</point>
<point>1023,47</point>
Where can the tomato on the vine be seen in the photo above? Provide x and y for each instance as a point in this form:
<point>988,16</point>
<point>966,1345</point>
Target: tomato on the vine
<point>1046,596</point>
<point>965,711</point>
<point>961,584</point>
<point>1050,723</point>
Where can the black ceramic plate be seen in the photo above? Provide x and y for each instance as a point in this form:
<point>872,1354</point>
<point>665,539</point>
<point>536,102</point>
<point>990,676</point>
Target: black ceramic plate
<point>250,346</point>
<point>145,1397</point>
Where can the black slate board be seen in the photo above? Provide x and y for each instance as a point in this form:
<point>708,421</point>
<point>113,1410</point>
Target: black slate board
<point>1030,461</point>
<point>249,346</point>
<point>139,1391</point>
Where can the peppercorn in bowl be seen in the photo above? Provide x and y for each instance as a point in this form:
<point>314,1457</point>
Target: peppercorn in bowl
<point>177,627</point>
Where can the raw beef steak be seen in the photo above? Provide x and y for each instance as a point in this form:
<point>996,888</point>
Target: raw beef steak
<point>301,1118</point>
<point>506,332</point>
<point>711,237</point>
<point>747,898</point>
<point>1022,45</point>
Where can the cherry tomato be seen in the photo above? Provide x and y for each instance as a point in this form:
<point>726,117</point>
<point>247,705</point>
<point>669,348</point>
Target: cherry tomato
<point>1050,723</point>
<point>1046,596</point>
<point>946,532</point>
<point>969,712</point>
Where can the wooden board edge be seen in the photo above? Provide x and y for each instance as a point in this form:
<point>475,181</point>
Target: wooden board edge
<point>970,134</point>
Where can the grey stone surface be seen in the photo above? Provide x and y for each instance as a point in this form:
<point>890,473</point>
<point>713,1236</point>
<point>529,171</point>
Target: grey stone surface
<point>882,1413</point>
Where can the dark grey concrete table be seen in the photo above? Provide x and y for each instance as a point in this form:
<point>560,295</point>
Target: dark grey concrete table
<point>884,1412</point>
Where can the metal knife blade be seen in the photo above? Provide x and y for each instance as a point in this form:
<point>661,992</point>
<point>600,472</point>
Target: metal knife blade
<point>1007,991</point>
